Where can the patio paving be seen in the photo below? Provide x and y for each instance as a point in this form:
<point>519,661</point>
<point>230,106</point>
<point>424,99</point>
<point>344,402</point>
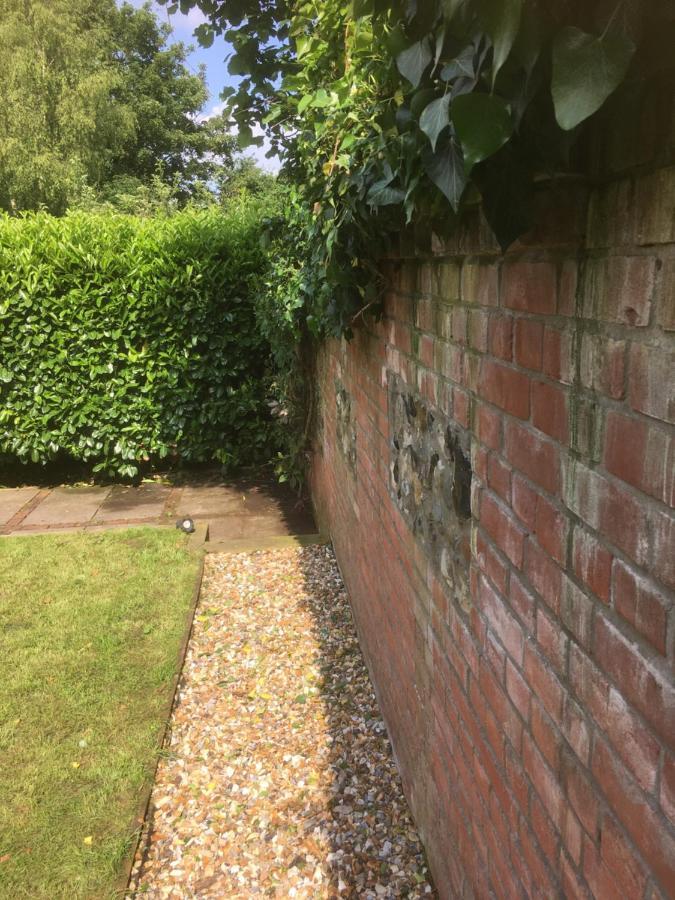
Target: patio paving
<point>233,510</point>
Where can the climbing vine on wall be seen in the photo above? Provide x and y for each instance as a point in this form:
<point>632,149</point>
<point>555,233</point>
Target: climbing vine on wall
<point>389,113</point>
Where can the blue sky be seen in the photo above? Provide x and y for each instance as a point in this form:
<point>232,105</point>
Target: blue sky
<point>214,58</point>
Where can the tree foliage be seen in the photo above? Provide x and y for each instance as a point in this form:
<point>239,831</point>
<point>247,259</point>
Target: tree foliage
<point>90,92</point>
<point>396,112</point>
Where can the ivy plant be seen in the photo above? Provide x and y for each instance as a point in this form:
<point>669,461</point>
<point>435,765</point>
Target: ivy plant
<point>395,113</point>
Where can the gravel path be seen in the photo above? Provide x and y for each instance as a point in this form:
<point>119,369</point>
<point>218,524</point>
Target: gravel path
<point>278,778</point>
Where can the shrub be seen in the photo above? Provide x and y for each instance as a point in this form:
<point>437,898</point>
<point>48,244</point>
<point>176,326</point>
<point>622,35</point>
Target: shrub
<point>126,340</point>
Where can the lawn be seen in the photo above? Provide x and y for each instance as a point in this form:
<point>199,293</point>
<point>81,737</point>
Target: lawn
<point>90,631</point>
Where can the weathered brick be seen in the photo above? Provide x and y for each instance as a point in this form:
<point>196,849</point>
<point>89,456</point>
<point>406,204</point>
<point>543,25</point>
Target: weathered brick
<point>650,382</point>
<point>530,286</point>
<point>655,196</point>
<point>500,620</point>
<point>534,456</point>
<point>603,365</point>
<point>480,284</point>
<point>649,689</point>
<point>641,603</point>
<point>506,388</point>
<point>503,529</point>
<point>544,683</point>
<point>592,563</point>
<point>549,410</point>
<point>637,817</point>
<point>529,344</point>
<point>619,289</point>
<point>663,559</point>
<point>557,356</point>
<point>500,336</point>
<point>641,454</point>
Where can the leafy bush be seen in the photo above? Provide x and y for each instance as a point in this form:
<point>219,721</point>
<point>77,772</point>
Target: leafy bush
<point>126,340</point>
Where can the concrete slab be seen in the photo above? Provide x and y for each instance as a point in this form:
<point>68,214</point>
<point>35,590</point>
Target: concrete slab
<point>12,500</point>
<point>202,502</point>
<point>68,506</point>
<point>147,501</point>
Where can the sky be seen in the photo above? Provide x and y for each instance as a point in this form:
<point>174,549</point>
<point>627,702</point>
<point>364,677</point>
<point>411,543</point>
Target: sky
<point>215,60</point>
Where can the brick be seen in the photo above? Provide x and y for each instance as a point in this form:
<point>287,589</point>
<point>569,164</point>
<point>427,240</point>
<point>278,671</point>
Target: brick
<point>546,735</point>
<point>488,427</point>
<point>518,691</point>
<point>640,454</point>
<point>543,683</point>
<point>544,575</point>
<point>534,456</point>
<point>663,560</point>
<point>650,382</point>
<point>567,288</point>
<point>480,284</point>
<point>610,218</point>
<point>655,200</point>
<point>502,623</point>
<point>641,603</point>
<point>522,602</point>
<point>641,822</point>
<point>576,731</point>
<point>499,477</point>
<point>500,336</point>
<point>619,857</point>
<point>549,410</point>
<point>447,285</point>
<point>491,564</point>
<point>552,641</point>
<point>619,289</point>
<point>633,743</point>
<point>478,330</point>
<point>551,528</point>
<point>665,308</point>
<point>529,344</point>
<point>650,691</point>
<point>506,388</point>
<point>572,836</point>
<point>603,365</point>
<point>609,508</point>
<point>557,361</point>
<point>581,795</point>
<point>543,780</point>
<point>667,793</point>
<point>592,563</point>
<point>524,501</point>
<point>576,613</point>
<point>530,287</point>
<point>503,529</point>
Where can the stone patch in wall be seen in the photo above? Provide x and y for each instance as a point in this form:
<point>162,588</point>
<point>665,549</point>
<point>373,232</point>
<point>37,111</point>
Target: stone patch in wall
<point>430,482</point>
<point>345,425</point>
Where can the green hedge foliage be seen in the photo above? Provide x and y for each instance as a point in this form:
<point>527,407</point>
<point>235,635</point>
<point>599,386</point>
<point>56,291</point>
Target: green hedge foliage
<point>124,341</point>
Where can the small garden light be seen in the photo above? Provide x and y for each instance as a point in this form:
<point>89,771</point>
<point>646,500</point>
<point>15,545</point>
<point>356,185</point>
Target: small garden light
<point>186,524</point>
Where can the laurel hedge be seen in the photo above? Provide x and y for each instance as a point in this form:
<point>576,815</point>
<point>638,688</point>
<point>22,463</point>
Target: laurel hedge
<point>125,341</point>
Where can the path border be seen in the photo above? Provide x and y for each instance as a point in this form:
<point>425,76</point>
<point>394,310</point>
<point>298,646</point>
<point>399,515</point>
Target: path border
<point>121,887</point>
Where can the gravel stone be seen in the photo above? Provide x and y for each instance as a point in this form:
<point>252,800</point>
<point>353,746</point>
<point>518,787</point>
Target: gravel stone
<point>277,779</point>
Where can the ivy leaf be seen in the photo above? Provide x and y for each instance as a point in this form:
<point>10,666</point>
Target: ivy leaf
<point>501,19</point>
<point>435,118</point>
<point>461,66</point>
<point>505,183</point>
<point>586,70</point>
<point>445,167</point>
<point>413,61</point>
<point>382,194</point>
<point>483,125</point>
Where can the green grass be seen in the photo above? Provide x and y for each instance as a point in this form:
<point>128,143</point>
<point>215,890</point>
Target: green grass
<point>90,628</point>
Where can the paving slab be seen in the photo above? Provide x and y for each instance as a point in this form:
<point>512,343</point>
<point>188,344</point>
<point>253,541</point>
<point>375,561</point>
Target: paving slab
<point>12,500</point>
<point>67,506</point>
<point>204,501</point>
<point>147,501</point>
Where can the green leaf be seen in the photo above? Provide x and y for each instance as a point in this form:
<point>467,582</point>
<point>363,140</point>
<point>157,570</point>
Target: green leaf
<point>382,194</point>
<point>435,118</point>
<point>586,70</point>
<point>414,60</point>
<point>445,167</point>
<point>501,19</point>
<point>483,125</point>
<point>461,66</point>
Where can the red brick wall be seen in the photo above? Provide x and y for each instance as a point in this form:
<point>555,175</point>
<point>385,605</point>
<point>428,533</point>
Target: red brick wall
<point>535,725</point>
